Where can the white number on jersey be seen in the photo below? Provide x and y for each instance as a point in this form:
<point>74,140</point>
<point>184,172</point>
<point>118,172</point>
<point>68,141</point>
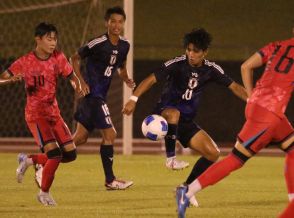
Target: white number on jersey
<point>108,71</point>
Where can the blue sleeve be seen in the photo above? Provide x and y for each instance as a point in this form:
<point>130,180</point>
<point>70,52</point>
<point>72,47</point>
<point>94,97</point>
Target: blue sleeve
<point>84,51</point>
<point>165,70</point>
<point>220,77</point>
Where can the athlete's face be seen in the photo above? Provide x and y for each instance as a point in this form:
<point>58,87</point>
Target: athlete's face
<point>115,24</point>
<point>195,56</point>
<point>47,43</point>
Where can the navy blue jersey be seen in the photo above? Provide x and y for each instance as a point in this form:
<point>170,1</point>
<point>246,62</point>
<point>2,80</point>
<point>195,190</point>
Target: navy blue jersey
<point>185,84</point>
<point>103,59</point>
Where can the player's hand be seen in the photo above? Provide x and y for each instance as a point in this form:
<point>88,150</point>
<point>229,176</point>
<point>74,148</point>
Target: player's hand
<point>130,83</point>
<point>15,79</point>
<point>85,89</point>
<point>129,107</point>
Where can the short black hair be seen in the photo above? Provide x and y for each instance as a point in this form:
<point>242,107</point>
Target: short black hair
<point>44,28</point>
<point>114,10</point>
<point>200,38</point>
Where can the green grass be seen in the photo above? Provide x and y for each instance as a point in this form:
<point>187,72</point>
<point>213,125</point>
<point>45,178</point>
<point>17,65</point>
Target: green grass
<point>257,190</point>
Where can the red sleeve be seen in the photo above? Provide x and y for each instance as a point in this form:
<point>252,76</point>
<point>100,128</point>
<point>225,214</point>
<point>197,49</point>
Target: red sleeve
<point>64,66</point>
<point>267,51</point>
<point>17,67</point>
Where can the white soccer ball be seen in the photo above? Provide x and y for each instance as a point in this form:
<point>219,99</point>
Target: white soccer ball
<point>154,127</point>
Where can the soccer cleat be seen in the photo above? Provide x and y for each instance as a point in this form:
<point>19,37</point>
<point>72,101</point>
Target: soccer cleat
<point>174,164</point>
<point>118,185</point>
<point>182,201</point>
<point>193,202</point>
<point>38,174</point>
<point>22,166</point>
<point>46,199</point>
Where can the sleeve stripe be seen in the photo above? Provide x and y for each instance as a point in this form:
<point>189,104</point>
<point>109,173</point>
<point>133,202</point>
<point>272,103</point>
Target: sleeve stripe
<point>208,63</point>
<point>177,59</point>
<point>96,41</point>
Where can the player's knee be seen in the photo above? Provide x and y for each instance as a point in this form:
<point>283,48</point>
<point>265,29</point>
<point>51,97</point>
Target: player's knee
<point>242,157</point>
<point>110,137</point>
<point>213,155</point>
<point>54,153</point>
<point>68,156</point>
<point>80,139</point>
<point>171,115</point>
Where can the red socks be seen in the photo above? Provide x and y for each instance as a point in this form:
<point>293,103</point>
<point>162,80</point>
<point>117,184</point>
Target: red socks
<point>39,158</point>
<point>289,211</point>
<point>219,170</point>
<point>289,172</point>
<point>48,173</point>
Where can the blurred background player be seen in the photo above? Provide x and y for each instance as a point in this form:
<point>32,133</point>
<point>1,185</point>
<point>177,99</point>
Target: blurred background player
<point>186,77</point>
<point>39,69</point>
<point>105,55</point>
<point>265,119</point>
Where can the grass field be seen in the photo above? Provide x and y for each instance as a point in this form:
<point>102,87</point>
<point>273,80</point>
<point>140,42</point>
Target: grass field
<point>257,190</point>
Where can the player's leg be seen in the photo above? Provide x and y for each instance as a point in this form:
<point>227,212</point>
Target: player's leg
<point>289,167</point>
<point>285,137</point>
<point>106,152</point>
<point>42,131</point>
<point>191,135</point>
<point>85,117</point>
<point>25,161</point>
<point>64,139</point>
<point>209,151</point>
<point>172,116</point>
<point>288,211</point>
<point>254,136</point>
<point>81,134</point>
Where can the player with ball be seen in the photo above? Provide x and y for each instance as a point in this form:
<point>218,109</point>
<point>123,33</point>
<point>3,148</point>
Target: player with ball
<point>186,76</point>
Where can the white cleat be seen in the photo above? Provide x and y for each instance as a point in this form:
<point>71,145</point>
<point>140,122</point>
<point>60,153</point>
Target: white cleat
<point>46,199</point>
<point>22,166</point>
<point>38,174</point>
<point>118,185</point>
<point>174,164</point>
<point>193,202</point>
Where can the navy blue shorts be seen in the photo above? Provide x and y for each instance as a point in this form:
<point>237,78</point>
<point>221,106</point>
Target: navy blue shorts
<point>93,113</point>
<point>186,130</point>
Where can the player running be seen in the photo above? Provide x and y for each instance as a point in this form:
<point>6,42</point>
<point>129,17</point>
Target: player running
<point>186,77</point>
<point>265,119</point>
<point>39,69</point>
<point>105,55</point>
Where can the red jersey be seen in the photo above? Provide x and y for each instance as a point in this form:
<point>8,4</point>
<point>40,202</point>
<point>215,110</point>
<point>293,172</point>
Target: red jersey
<point>273,90</point>
<point>40,78</point>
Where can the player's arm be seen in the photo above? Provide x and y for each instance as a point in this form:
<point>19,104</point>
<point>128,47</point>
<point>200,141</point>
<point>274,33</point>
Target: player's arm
<point>76,84</point>
<point>238,90</point>
<point>143,87</point>
<point>247,68</point>
<point>75,60</point>
<point>7,78</point>
<point>123,73</point>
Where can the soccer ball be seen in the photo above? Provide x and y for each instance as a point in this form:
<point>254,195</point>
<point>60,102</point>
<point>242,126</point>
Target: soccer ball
<point>154,127</point>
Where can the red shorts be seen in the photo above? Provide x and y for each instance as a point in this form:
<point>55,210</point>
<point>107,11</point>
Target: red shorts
<point>46,131</point>
<point>263,127</point>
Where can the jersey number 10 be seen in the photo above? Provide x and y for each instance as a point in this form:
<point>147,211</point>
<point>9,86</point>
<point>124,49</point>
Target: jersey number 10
<point>282,60</point>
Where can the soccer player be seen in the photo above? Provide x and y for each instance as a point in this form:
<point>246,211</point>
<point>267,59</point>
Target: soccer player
<point>265,119</point>
<point>105,55</point>
<point>186,76</point>
<point>39,69</point>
